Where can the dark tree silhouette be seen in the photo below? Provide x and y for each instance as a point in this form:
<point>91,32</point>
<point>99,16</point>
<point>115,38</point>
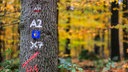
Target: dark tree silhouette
<point>1,41</point>
<point>96,47</point>
<point>115,54</point>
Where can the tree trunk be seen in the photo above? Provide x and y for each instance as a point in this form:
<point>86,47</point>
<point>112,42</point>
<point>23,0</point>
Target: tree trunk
<point>67,48</point>
<point>115,54</point>
<point>1,42</point>
<point>125,32</point>
<point>97,47</point>
<point>102,46</point>
<point>38,36</point>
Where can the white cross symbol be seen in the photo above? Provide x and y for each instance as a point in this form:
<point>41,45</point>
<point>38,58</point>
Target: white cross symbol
<point>36,45</point>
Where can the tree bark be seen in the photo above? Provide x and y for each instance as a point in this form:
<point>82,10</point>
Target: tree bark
<point>115,54</point>
<point>38,36</point>
<point>1,42</point>
<point>125,32</point>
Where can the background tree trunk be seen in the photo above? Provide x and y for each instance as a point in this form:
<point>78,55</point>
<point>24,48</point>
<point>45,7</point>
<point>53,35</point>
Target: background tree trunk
<point>97,47</point>
<point>115,54</point>
<point>67,43</point>
<point>38,54</point>
<point>1,42</point>
<point>125,32</point>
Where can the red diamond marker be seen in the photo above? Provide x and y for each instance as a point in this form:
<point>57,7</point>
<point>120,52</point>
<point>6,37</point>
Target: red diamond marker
<point>37,10</point>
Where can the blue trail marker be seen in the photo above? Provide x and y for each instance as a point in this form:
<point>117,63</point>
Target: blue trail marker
<point>36,34</point>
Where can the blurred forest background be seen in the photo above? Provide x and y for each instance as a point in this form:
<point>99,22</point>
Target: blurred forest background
<point>85,34</point>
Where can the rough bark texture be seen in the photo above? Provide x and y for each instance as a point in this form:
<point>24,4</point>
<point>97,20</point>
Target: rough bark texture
<point>115,54</point>
<point>125,33</point>
<point>44,59</point>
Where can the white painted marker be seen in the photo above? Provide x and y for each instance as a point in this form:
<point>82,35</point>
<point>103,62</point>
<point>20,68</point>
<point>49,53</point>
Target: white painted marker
<point>33,45</point>
<point>37,9</point>
<point>34,23</point>
<point>40,44</point>
<point>36,45</point>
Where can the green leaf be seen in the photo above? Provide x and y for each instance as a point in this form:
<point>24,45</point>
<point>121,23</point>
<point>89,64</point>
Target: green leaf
<point>113,65</point>
<point>73,70</point>
<point>105,69</point>
<point>80,69</point>
<point>60,66</point>
<point>107,65</point>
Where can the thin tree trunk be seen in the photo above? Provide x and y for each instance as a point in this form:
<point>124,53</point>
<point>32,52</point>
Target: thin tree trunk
<point>102,46</point>
<point>67,48</point>
<point>97,47</point>
<point>115,54</point>
<point>125,32</point>
<point>38,36</point>
<point>0,39</point>
<point>1,58</point>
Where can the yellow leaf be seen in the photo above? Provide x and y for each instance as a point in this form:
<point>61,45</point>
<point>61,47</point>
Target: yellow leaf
<point>10,7</point>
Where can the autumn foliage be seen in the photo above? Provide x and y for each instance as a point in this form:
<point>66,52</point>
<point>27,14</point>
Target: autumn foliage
<point>84,20</point>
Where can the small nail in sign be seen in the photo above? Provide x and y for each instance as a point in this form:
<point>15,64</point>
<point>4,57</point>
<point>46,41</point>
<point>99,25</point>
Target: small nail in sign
<point>36,34</point>
<point>37,9</point>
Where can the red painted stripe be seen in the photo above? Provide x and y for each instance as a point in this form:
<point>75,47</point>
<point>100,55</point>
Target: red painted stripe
<point>36,68</point>
<point>37,10</point>
<point>32,57</point>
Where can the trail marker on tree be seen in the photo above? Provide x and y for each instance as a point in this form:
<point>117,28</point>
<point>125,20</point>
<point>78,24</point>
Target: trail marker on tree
<point>36,34</point>
<point>38,41</point>
<point>36,23</point>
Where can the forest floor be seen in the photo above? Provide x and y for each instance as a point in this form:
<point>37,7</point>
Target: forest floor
<point>102,66</point>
